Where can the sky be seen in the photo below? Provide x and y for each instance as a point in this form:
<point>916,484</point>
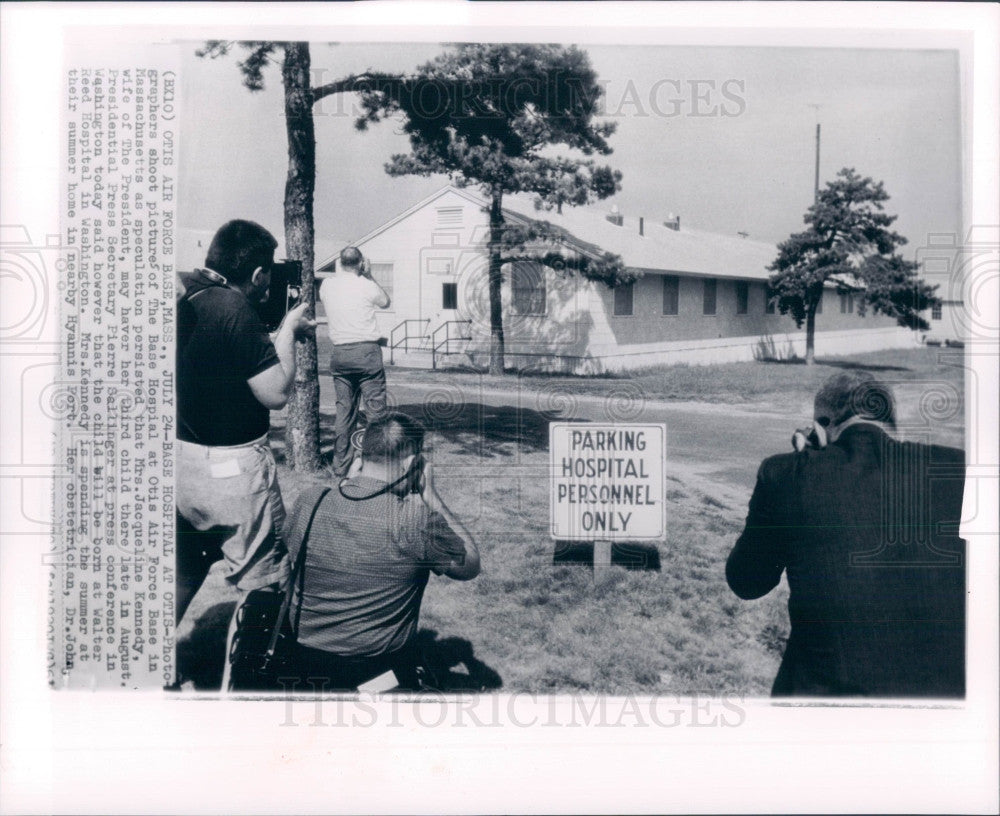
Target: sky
<point>722,136</point>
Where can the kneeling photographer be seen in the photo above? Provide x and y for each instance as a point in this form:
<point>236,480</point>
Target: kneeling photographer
<point>372,543</point>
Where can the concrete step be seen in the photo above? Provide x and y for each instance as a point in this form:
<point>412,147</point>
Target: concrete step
<point>423,359</point>
<point>410,359</point>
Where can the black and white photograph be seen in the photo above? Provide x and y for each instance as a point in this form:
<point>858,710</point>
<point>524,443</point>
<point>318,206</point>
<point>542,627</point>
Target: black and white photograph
<point>487,239</point>
<point>616,400</point>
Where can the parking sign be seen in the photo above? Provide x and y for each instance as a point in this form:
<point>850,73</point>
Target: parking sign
<point>607,481</point>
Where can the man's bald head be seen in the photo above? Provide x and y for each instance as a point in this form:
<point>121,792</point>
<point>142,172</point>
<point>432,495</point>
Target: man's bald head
<point>351,258</point>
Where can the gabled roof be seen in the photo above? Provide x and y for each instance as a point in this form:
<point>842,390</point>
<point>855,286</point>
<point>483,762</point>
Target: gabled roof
<point>660,249</point>
<point>448,188</point>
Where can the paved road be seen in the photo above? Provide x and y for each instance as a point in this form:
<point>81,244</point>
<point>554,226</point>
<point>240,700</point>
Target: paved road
<point>715,442</point>
<point>718,442</point>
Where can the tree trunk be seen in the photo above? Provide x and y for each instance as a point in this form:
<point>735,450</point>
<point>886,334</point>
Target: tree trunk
<point>302,425</point>
<point>496,263</point>
<point>810,333</point>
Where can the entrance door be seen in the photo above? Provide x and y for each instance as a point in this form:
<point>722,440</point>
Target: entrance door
<point>441,293</point>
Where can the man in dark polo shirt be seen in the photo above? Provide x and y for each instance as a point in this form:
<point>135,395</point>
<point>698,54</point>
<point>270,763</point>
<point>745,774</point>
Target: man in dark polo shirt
<point>373,543</point>
<point>866,530</point>
<point>230,375</point>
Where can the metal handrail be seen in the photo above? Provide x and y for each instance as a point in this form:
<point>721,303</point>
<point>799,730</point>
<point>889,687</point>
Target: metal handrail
<point>435,345</point>
<point>393,343</point>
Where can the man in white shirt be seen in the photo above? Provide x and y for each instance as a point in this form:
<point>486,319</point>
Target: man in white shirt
<point>350,297</point>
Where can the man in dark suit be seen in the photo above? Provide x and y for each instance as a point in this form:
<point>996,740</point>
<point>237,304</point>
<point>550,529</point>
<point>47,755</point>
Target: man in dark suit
<point>866,529</point>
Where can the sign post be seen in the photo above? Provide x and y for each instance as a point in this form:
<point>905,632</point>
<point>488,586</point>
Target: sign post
<point>607,484</point>
<point>602,561</point>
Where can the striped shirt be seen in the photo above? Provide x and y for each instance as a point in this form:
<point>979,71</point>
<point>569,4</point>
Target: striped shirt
<point>367,563</point>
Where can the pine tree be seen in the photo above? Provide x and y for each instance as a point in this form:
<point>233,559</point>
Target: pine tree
<point>489,115</point>
<point>849,242</point>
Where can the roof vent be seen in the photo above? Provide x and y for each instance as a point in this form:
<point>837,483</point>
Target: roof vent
<point>615,216</point>
<point>673,222</point>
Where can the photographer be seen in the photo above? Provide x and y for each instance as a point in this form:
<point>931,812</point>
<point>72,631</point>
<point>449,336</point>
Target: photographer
<point>865,529</point>
<point>230,375</point>
<point>350,297</point>
<point>373,543</point>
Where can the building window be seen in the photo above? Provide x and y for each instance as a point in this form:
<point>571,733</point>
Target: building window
<point>449,295</point>
<point>449,216</point>
<point>623,299</point>
<point>671,294</point>
<point>709,296</point>
<point>528,284</point>
<point>770,300</point>
<point>382,275</point>
<point>936,312</point>
<point>742,297</point>
<point>846,303</point>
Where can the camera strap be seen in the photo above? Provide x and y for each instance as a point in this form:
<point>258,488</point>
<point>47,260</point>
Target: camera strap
<point>384,489</point>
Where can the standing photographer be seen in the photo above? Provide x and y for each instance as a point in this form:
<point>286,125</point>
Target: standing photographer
<point>866,529</point>
<point>350,297</point>
<point>230,376</point>
<point>372,545</point>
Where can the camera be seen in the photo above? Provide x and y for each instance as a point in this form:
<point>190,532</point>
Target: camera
<point>814,437</point>
<point>285,293</point>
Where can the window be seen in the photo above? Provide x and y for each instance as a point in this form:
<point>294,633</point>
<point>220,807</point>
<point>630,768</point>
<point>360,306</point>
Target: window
<point>528,284</point>
<point>936,312</point>
<point>449,295</point>
<point>769,303</point>
<point>709,296</point>
<point>623,299</point>
<point>742,297</point>
<point>846,303</point>
<point>671,294</point>
<point>382,275</point>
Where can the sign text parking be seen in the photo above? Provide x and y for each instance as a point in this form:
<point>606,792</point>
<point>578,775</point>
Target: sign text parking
<point>607,481</point>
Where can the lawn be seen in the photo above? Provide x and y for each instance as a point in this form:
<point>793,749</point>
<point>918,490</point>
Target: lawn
<point>767,382</point>
<point>535,626</point>
<point>529,624</point>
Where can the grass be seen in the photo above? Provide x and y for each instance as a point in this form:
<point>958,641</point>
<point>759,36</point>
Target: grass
<point>540,627</point>
<point>726,382</point>
<point>528,624</point>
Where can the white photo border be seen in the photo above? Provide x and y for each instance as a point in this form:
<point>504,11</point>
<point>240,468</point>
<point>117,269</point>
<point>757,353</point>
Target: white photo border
<point>109,753</point>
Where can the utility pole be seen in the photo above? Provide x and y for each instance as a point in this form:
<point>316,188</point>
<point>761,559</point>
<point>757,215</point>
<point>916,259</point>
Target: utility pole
<point>816,182</point>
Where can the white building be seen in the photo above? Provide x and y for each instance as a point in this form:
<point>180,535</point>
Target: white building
<point>701,299</point>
